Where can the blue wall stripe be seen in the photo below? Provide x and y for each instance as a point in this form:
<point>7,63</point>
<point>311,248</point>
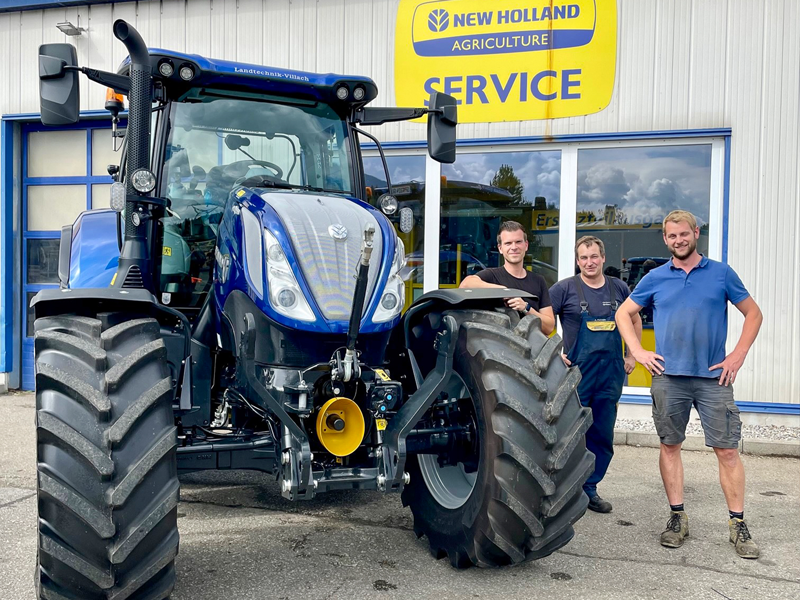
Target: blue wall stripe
<point>6,246</point>
<point>653,136</point>
<point>726,192</point>
<point>21,5</point>
<point>775,408</point>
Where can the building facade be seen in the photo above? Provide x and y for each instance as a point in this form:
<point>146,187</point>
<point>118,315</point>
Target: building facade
<point>702,113</point>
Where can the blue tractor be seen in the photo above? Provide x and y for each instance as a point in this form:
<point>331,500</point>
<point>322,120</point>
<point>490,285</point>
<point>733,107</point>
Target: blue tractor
<point>242,308</point>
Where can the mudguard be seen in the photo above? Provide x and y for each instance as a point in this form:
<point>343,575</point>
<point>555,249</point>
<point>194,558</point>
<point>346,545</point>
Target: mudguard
<point>94,249</point>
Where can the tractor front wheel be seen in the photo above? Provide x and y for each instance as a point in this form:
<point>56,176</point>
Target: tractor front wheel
<point>521,501</point>
<point>107,472</point>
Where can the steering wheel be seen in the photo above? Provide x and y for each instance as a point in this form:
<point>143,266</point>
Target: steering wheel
<point>240,167</point>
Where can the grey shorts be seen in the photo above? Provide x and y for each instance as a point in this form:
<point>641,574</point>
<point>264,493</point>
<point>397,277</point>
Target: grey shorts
<point>673,398</point>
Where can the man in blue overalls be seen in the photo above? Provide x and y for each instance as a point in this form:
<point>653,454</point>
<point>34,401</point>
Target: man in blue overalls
<point>586,304</point>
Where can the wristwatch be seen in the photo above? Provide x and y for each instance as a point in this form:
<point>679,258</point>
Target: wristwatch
<point>528,307</point>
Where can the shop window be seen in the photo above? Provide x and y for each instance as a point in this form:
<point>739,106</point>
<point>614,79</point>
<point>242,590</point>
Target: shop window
<point>57,153</point>
<point>103,153</point>
<point>31,314</point>
<point>101,195</point>
<point>623,196</point>
<point>482,190</point>
<point>51,206</point>
<point>42,265</point>
<point>407,175</point>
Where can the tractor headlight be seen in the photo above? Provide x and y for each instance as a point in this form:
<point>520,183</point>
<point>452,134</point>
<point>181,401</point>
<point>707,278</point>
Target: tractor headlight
<point>285,294</point>
<point>143,181</point>
<point>287,298</point>
<point>186,72</point>
<point>342,92</point>
<point>391,303</point>
<point>388,204</point>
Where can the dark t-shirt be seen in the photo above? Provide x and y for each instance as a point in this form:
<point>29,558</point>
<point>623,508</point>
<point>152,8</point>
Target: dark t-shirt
<point>567,305</point>
<point>532,283</point>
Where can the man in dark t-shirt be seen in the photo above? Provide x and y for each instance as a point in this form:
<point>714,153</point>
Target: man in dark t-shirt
<point>512,242</point>
<point>586,304</point>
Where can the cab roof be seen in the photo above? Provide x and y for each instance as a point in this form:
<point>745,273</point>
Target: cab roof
<point>216,74</point>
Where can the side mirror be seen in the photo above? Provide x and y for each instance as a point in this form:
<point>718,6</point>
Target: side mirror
<point>59,95</point>
<point>442,128</point>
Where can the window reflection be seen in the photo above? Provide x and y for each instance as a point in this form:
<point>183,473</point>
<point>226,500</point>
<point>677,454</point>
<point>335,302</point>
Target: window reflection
<point>407,174</point>
<point>483,190</point>
<point>624,195</point>
<point>479,191</point>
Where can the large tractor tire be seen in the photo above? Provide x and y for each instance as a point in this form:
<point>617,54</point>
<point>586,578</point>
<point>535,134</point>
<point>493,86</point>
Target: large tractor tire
<point>521,502</point>
<point>106,452</point>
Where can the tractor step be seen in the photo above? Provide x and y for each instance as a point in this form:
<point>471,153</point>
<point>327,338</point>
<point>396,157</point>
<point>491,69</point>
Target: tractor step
<point>258,454</point>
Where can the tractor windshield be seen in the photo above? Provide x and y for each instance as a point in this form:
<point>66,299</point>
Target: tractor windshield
<point>216,143</point>
<point>220,142</point>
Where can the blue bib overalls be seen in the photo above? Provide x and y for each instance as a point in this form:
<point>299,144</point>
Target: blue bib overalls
<point>598,353</point>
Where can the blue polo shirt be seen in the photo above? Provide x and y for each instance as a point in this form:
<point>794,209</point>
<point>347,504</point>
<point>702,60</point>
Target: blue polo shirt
<point>690,314</point>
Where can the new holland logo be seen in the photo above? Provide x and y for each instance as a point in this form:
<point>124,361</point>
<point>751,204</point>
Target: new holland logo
<point>438,20</point>
<point>507,60</point>
<point>338,232</point>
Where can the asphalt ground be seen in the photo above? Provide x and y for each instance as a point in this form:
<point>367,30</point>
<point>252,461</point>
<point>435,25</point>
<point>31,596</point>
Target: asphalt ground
<point>240,540</point>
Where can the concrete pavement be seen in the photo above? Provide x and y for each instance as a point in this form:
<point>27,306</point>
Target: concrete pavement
<point>241,540</point>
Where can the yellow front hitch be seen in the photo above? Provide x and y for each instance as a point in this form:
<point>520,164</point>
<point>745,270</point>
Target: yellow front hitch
<point>340,426</point>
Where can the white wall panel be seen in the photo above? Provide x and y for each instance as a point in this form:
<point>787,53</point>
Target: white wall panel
<point>338,43</point>
<point>636,56</point>
<point>248,31</point>
<point>199,31</point>
<point>276,36</point>
<point>10,73</point>
<point>358,30</point>
<point>681,64</point>
<point>30,39</point>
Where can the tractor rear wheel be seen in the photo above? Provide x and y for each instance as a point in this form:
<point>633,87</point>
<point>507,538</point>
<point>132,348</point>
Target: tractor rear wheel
<point>106,456</point>
<point>521,502</point>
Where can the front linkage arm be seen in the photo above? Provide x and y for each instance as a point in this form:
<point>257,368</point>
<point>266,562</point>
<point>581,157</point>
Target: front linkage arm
<point>393,452</point>
<point>295,458</point>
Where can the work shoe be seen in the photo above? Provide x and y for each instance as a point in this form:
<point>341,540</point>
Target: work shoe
<point>740,538</point>
<point>597,504</point>
<point>677,529</point>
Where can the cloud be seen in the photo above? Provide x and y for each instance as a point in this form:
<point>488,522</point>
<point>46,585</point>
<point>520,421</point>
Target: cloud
<point>646,184</point>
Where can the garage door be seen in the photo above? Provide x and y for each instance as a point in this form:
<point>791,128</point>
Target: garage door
<point>63,174</point>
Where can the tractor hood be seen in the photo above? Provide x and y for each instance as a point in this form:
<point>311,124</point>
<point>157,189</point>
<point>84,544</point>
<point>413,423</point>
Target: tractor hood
<point>301,254</point>
<point>326,232</point>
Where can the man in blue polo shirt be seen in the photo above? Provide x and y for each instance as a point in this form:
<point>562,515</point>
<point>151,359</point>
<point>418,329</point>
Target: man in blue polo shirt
<point>690,296</point>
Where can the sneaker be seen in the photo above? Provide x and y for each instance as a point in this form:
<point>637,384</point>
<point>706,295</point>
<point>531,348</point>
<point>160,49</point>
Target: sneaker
<point>597,504</point>
<point>677,529</point>
<point>740,538</point>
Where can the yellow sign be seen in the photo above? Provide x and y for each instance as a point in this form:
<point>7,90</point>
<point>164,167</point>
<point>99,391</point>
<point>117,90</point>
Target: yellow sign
<point>507,60</point>
<point>382,375</point>
<point>601,325</point>
<point>167,251</point>
<point>547,219</point>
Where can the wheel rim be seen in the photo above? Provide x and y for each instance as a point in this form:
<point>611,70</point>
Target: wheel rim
<point>451,486</point>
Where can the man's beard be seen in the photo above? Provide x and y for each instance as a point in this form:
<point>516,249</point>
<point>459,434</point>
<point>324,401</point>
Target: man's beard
<point>684,252</point>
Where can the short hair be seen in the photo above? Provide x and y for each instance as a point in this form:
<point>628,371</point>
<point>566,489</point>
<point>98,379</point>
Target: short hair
<point>588,240</point>
<point>511,226</point>
<point>679,216</point>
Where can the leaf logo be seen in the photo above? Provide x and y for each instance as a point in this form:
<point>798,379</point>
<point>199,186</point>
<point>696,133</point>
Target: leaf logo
<point>438,20</point>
